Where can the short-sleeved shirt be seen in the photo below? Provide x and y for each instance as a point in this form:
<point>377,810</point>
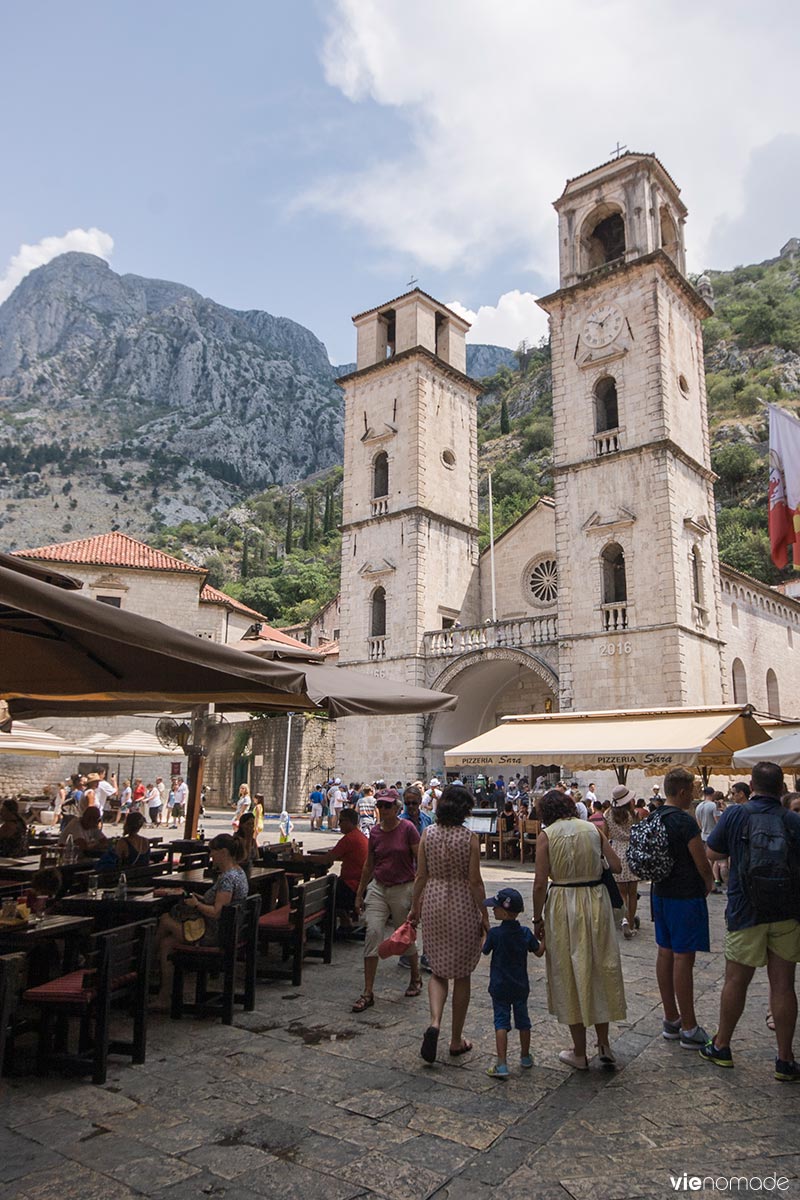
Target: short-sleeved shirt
<point>233,881</point>
<point>392,851</point>
<point>706,816</point>
<point>727,839</point>
<point>351,851</point>
<point>509,944</point>
<point>684,881</point>
<point>103,792</point>
<point>425,819</point>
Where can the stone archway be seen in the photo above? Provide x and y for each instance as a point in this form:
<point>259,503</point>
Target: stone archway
<point>490,684</point>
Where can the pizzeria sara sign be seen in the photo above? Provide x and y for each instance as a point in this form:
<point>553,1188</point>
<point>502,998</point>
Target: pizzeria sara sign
<point>599,760</point>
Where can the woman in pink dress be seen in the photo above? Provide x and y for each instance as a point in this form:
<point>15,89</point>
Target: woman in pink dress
<point>448,896</point>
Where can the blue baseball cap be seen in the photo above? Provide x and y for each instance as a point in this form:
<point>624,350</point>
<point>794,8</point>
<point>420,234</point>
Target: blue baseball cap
<point>508,898</point>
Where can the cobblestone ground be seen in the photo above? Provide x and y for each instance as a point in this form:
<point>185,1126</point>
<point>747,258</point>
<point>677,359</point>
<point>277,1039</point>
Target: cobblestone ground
<point>303,1100</point>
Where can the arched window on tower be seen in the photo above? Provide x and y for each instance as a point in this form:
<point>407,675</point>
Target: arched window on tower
<point>697,576</point>
<point>606,415</point>
<point>615,588</point>
<point>377,618</point>
<point>380,483</point>
<point>670,241</point>
<point>739,677</point>
<point>773,695</point>
<point>603,240</point>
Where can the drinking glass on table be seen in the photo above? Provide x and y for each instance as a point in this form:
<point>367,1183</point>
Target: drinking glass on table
<point>92,884</point>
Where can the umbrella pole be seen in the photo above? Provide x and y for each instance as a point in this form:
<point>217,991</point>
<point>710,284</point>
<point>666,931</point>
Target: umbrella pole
<point>194,773</point>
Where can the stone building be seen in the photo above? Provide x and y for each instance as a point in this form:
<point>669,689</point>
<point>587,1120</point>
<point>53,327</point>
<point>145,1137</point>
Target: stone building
<point>118,570</point>
<point>610,595</point>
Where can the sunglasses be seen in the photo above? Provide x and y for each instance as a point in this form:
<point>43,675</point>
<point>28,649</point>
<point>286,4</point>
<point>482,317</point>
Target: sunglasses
<point>385,804</point>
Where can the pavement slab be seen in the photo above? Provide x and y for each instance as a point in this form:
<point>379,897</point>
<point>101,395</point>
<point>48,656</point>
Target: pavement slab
<point>304,1100</point>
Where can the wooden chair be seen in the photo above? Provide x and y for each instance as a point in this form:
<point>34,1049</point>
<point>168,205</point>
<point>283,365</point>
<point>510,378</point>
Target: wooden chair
<point>116,972</point>
<point>311,903</point>
<point>12,967</point>
<point>238,942</point>
<point>528,829</point>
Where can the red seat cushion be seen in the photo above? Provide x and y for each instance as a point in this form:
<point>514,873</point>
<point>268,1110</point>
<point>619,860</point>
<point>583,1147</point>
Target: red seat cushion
<point>311,917</point>
<point>277,919</point>
<point>67,989</point>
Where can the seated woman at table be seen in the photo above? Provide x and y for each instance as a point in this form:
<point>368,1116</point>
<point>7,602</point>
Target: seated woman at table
<point>247,843</point>
<point>130,850</point>
<point>85,831</point>
<point>13,831</point>
<point>231,884</point>
<point>45,886</point>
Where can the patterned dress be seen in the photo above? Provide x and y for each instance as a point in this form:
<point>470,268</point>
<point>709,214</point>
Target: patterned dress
<point>451,923</point>
<point>619,836</point>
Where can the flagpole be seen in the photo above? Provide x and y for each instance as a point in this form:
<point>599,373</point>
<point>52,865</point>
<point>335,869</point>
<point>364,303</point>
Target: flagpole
<point>491,550</point>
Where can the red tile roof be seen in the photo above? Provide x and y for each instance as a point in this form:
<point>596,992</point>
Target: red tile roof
<point>212,595</point>
<point>111,550</point>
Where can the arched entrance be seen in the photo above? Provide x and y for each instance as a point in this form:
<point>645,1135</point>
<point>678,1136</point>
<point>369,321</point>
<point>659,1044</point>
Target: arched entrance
<point>490,684</point>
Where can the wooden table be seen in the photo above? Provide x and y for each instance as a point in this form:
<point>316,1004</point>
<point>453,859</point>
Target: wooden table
<point>22,870</point>
<point>264,880</point>
<point>307,866</point>
<point>71,930</point>
<point>106,914</point>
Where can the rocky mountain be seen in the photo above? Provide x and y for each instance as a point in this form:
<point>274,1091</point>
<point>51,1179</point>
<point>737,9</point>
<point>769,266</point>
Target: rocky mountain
<point>115,386</point>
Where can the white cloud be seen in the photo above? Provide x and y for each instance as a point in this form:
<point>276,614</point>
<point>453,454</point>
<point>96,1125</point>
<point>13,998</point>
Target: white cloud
<point>515,317</point>
<point>502,104</point>
<point>27,258</point>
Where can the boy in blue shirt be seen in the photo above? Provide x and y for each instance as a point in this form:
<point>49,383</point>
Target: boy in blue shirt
<point>509,944</point>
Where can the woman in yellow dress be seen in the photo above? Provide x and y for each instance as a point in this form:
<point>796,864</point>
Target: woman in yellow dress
<point>258,813</point>
<point>584,972</point>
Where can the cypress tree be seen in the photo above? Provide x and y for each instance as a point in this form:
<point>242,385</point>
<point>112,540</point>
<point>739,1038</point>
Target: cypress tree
<point>312,520</point>
<point>505,424</point>
<point>245,569</point>
<point>289,540</point>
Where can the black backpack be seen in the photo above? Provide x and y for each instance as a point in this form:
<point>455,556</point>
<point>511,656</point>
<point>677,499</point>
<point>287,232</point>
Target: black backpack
<point>770,866</point>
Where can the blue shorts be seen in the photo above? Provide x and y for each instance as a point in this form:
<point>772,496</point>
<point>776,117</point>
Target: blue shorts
<point>502,1014</point>
<point>681,925</point>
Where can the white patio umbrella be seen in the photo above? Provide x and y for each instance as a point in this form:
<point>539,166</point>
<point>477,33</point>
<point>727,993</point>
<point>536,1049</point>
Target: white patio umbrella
<point>27,739</point>
<point>133,745</point>
<point>785,751</point>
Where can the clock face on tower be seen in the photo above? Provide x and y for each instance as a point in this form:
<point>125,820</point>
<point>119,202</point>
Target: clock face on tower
<point>602,325</point>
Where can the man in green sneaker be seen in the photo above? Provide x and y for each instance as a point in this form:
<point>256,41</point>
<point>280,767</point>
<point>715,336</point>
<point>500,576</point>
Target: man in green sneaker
<point>762,840</point>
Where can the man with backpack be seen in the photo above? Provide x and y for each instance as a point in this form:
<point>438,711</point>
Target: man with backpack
<point>762,840</point>
<point>682,879</point>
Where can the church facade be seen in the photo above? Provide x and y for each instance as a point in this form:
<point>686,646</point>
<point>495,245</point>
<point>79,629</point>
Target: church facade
<point>610,595</point>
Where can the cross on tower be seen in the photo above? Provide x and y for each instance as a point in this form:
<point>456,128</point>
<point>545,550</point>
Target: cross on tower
<point>618,151</point>
<point>412,283</point>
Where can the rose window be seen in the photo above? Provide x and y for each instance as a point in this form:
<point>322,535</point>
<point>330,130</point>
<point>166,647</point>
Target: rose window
<point>543,581</point>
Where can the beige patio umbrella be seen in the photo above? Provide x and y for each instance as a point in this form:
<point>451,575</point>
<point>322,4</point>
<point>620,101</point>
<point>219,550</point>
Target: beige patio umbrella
<point>27,739</point>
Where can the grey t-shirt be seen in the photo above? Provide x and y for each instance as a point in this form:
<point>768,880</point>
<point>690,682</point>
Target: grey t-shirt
<point>706,816</point>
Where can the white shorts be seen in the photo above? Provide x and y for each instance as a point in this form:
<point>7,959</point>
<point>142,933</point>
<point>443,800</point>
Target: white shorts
<point>381,903</point>
<point>316,811</point>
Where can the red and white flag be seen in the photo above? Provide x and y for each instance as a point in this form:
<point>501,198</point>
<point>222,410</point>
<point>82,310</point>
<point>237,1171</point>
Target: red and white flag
<point>784,485</point>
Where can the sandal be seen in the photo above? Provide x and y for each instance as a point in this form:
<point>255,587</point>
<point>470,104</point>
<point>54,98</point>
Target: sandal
<point>363,1002</point>
<point>414,988</point>
<point>430,1040</point>
<point>464,1048</point>
<point>770,1021</point>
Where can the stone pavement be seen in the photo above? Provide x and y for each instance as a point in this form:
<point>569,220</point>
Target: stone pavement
<point>301,1100</point>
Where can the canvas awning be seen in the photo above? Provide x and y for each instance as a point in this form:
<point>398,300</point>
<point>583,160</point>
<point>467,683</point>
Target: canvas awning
<point>652,740</point>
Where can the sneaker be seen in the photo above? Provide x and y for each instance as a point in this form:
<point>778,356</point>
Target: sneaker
<point>671,1030</point>
<point>404,961</point>
<point>787,1072</point>
<point>423,962</point>
<point>717,888</point>
<point>637,924</point>
<point>693,1039</point>
<point>498,1071</point>
<point>526,1062</point>
<point>627,932</point>
<point>720,1055</point>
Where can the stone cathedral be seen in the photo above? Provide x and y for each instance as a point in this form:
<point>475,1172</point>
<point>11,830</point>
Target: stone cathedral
<point>610,595</point>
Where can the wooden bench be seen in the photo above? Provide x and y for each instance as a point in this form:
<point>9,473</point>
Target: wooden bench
<point>117,972</point>
<point>310,903</point>
<point>238,938</point>
<point>12,967</point>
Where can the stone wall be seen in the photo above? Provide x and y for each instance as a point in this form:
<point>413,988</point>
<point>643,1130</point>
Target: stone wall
<point>762,630</point>
<point>312,756</point>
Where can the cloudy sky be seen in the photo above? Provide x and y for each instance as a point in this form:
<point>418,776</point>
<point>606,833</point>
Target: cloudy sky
<point>310,158</point>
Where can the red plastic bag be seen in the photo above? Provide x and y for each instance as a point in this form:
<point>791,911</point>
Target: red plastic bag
<point>403,937</point>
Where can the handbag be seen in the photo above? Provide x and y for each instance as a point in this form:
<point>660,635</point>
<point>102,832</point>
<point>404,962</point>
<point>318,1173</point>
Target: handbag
<point>610,884</point>
<point>404,936</point>
<point>193,925</point>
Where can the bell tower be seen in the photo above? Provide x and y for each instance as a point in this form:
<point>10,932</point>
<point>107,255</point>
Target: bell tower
<point>410,511</point>
<point>639,592</point>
